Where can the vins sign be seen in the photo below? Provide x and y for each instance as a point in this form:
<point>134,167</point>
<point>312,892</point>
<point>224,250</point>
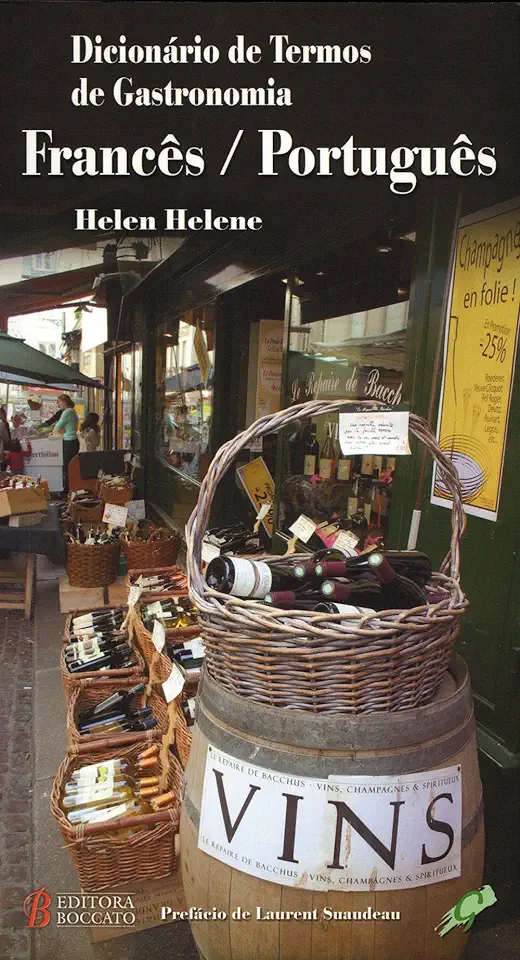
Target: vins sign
<point>344,833</point>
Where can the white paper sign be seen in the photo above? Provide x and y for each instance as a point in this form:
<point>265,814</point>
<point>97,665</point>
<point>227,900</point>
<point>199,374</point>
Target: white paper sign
<point>158,635</point>
<point>173,686</point>
<point>256,445</point>
<point>136,510</point>
<point>209,552</point>
<point>303,528</point>
<point>292,830</point>
<point>346,542</point>
<point>374,432</point>
<point>196,646</point>
<point>115,515</point>
<point>133,594</point>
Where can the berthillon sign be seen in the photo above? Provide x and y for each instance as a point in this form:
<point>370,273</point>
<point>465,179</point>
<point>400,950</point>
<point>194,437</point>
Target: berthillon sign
<point>343,833</point>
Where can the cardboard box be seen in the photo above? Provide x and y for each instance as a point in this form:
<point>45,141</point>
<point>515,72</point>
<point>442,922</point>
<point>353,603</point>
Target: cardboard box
<point>148,899</point>
<point>25,519</point>
<point>80,598</point>
<point>24,500</point>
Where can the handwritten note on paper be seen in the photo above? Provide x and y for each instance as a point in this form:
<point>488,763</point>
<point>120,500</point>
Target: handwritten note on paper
<point>172,687</point>
<point>158,635</point>
<point>303,528</point>
<point>115,515</point>
<point>368,432</point>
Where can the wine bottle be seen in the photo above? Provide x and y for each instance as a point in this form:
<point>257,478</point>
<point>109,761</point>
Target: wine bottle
<point>120,716</point>
<point>344,467</point>
<point>109,661</point>
<point>346,608</point>
<point>366,592</point>
<point>327,460</point>
<point>292,600</point>
<point>109,769</point>
<point>397,592</point>
<point>409,563</point>
<point>248,578</point>
<point>118,699</point>
<point>312,454</point>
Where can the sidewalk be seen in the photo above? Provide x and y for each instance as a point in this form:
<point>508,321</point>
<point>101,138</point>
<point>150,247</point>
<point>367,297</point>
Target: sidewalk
<point>32,714</point>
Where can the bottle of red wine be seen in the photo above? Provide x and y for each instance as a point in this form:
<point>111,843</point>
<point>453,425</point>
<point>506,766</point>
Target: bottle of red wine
<point>251,579</point>
<point>312,454</point>
<point>397,592</point>
<point>411,564</point>
<point>293,599</point>
<point>365,593</point>
<point>345,608</point>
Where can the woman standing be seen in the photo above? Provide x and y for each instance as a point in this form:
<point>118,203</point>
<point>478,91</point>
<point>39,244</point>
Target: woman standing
<point>68,426</point>
<point>89,438</point>
<point>5,437</point>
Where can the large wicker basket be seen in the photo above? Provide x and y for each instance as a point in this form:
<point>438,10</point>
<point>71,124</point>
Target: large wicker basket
<point>88,694</point>
<point>105,681</point>
<point>152,553</point>
<point>105,855</point>
<point>92,565</point>
<point>321,662</point>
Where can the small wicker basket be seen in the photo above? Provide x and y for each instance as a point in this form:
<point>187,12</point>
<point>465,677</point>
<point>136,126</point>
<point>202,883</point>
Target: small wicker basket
<point>106,855</point>
<point>321,662</point>
<point>88,694</point>
<point>118,495</point>
<point>150,594</point>
<point>81,514</point>
<point>92,565</point>
<point>105,681</point>
<point>152,553</point>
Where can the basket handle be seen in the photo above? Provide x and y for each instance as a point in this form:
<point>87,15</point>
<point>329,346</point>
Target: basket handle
<point>273,423</point>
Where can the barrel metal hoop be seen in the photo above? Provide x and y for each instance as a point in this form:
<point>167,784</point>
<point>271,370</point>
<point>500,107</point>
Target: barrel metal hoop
<point>340,732</point>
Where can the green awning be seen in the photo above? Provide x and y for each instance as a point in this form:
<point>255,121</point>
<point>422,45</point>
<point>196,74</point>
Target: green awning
<point>21,360</point>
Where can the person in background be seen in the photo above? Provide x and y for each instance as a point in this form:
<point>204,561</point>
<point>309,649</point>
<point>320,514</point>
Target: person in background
<point>15,456</point>
<point>89,438</point>
<point>5,437</point>
<point>19,431</point>
<point>68,426</point>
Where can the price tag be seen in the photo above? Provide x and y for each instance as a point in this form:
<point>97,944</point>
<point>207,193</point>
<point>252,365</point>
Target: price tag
<point>374,432</point>
<point>173,686</point>
<point>158,635</point>
<point>115,515</point>
<point>256,445</point>
<point>264,510</point>
<point>133,594</point>
<point>346,542</point>
<point>196,646</point>
<point>303,528</point>
<point>136,510</point>
<point>209,552</point>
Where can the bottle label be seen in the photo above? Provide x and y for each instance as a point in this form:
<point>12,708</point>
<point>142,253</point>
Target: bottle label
<point>309,465</point>
<point>325,469</point>
<point>367,465</point>
<point>96,771</point>
<point>378,464</point>
<point>343,469</point>
<point>85,621</point>
<point>253,579</point>
<point>347,608</point>
<point>111,813</point>
<point>101,791</point>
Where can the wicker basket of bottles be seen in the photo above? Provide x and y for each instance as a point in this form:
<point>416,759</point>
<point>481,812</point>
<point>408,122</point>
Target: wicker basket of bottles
<point>126,850</point>
<point>156,592</point>
<point>160,668</point>
<point>88,694</point>
<point>161,551</point>
<point>104,681</point>
<point>120,492</point>
<point>92,565</point>
<point>325,662</point>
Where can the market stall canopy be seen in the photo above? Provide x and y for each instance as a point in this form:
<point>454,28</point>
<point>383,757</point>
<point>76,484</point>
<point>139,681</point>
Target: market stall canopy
<point>20,360</point>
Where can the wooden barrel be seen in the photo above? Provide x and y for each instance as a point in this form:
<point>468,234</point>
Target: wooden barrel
<point>298,744</point>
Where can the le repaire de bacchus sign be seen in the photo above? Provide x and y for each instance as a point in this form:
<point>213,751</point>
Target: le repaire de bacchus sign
<point>344,833</point>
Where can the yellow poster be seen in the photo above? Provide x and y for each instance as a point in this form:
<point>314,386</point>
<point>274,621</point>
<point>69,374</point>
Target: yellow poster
<point>269,370</point>
<point>479,356</point>
<point>259,486</point>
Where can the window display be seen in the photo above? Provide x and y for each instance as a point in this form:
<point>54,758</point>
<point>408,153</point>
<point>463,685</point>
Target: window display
<point>184,414</point>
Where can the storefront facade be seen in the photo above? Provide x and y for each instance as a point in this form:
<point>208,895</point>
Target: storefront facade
<point>225,336</point>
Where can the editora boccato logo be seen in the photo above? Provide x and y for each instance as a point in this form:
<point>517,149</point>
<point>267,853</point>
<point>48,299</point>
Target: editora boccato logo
<point>79,910</point>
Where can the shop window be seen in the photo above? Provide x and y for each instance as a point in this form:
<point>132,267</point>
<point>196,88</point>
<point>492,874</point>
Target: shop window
<point>351,354</point>
<point>185,393</point>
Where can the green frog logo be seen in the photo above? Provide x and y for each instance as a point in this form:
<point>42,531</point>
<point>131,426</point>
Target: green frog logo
<point>468,907</point>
